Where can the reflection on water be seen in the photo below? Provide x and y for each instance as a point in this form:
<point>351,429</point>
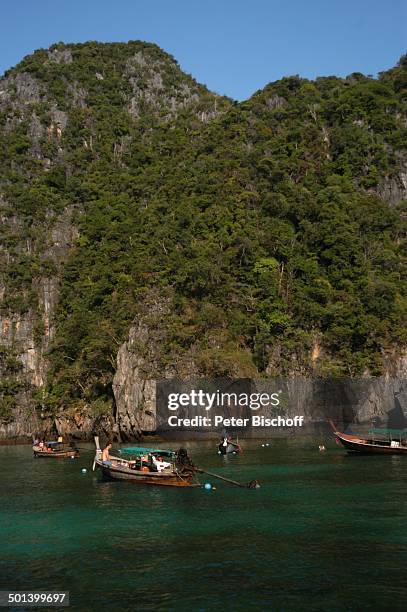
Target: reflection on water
<point>325,530</point>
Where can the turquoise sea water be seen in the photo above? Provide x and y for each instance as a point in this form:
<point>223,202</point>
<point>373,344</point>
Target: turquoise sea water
<point>324,532</point>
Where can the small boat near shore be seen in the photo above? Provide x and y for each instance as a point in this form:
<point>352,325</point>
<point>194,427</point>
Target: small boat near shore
<point>148,466</point>
<point>54,450</point>
<point>378,441</point>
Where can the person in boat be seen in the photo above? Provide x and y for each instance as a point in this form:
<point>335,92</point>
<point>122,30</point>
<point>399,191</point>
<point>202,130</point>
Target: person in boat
<point>164,464</point>
<point>41,445</point>
<point>146,463</point>
<point>224,443</point>
<point>106,459</point>
<point>183,459</point>
<point>160,464</point>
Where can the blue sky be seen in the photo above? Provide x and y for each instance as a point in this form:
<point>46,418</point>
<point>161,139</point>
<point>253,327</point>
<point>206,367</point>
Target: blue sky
<point>233,46</point>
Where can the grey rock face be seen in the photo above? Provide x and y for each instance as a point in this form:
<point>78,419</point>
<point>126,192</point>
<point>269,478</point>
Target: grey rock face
<point>161,87</point>
<point>24,425</point>
<point>394,189</point>
<point>61,56</point>
<point>36,129</point>
<point>276,102</point>
<point>18,329</point>
<point>81,425</point>
<point>20,89</point>
<point>137,369</point>
<point>77,94</point>
<point>59,117</point>
<point>134,394</point>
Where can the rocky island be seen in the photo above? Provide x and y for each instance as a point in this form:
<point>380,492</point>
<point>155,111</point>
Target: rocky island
<point>153,229</point>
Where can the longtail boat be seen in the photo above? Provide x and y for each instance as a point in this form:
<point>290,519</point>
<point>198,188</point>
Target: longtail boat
<point>54,450</point>
<point>377,442</point>
<point>148,466</point>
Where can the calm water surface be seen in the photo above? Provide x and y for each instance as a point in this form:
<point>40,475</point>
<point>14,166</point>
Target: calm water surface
<point>324,532</point>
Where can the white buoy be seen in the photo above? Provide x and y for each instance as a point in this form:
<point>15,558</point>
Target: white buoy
<point>84,470</point>
<point>207,486</point>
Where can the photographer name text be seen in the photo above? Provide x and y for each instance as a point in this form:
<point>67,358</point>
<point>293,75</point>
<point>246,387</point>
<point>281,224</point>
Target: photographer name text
<point>218,421</point>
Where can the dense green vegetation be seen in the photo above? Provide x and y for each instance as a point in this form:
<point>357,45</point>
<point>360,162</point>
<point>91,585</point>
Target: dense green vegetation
<point>261,223</point>
<point>11,384</point>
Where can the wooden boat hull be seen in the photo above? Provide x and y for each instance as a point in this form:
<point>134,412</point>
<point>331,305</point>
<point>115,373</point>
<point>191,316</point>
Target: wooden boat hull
<point>355,444</point>
<point>65,454</point>
<point>124,473</point>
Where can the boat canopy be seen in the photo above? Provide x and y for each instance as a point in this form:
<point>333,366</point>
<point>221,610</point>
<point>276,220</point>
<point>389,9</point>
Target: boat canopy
<point>139,451</point>
<point>388,432</point>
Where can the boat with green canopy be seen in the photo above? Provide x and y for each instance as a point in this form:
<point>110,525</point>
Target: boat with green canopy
<point>379,441</point>
<point>139,451</point>
<point>143,465</point>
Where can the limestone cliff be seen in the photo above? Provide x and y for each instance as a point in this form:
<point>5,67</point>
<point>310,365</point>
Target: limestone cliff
<point>52,114</point>
<point>152,229</point>
<point>360,401</point>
